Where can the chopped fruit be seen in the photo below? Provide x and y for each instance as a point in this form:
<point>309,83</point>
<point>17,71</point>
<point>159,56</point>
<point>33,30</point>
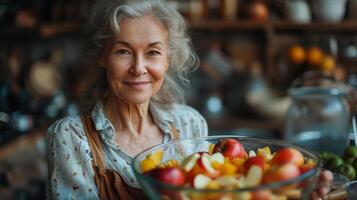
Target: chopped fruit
<point>152,160</point>
<point>265,153</point>
<point>238,161</point>
<point>169,163</point>
<point>256,160</point>
<point>216,165</point>
<point>210,149</point>
<point>226,165</point>
<point>205,163</point>
<point>147,164</point>
<point>193,172</point>
<point>212,185</point>
<point>307,166</point>
<point>227,181</point>
<point>189,162</point>
<point>228,168</point>
<point>252,153</point>
<point>230,148</point>
<point>288,155</point>
<point>172,175</point>
<point>254,176</point>
<point>201,181</point>
<point>262,195</point>
<point>217,157</point>
<point>281,173</point>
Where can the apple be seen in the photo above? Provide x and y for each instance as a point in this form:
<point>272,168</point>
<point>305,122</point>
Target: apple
<point>193,172</point>
<point>256,160</point>
<point>206,165</point>
<point>288,155</point>
<point>170,175</point>
<point>281,173</point>
<point>201,181</point>
<point>230,148</point>
<point>189,162</point>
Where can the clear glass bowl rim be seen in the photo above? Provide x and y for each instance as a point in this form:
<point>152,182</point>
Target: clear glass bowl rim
<point>315,171</point>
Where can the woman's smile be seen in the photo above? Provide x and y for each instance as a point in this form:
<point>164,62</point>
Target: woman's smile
<point>137,84</point>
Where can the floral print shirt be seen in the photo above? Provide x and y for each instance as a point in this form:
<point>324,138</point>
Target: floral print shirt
<point>70,161</point>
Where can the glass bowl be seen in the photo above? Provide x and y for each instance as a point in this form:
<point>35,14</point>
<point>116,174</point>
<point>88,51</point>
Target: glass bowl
<point>301,185</point>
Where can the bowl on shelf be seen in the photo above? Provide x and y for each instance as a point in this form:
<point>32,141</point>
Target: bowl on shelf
<point>329,10</point>
<point>182,151</point>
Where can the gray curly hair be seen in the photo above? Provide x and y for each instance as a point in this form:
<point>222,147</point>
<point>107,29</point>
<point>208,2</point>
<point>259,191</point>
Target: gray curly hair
<point>105,18</point>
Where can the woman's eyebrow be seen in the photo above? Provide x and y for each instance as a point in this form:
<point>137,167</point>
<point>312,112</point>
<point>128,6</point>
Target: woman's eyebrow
<point>155,43</point>
<point>121,42</point>
<point>127,44</point>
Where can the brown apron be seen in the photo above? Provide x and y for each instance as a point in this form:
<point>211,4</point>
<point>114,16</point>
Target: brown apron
<point>110,184</point>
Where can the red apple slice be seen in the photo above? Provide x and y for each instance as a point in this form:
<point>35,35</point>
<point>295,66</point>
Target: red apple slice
<point>205,163</point>
<point>189,162</point>
<point>201,181</point>
<point>254,176</point>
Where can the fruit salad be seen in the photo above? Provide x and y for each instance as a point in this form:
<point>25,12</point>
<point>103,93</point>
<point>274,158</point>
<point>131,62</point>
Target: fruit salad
<point>227,165</point>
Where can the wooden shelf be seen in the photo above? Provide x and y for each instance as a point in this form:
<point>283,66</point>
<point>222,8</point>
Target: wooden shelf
<point>242,25</point>
<point>217,25</point>
<point>41,31</point>
<point>345,26</point>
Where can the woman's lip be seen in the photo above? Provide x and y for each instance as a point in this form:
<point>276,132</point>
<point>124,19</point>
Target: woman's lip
<point>137,84</point>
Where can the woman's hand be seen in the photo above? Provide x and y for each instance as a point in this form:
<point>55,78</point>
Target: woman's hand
<point>323,185</point>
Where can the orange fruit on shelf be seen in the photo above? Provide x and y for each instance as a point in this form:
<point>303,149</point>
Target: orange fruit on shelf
<point>328,63</point>
<point>314,56</point>
<point>297,54</point>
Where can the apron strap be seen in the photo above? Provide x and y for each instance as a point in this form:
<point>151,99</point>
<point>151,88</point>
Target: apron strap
<point>174,133</point>
<point>94,141</point>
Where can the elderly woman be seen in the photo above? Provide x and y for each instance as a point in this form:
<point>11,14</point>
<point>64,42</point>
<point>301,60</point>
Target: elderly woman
<point>135,103</point>
<point>143,50</point>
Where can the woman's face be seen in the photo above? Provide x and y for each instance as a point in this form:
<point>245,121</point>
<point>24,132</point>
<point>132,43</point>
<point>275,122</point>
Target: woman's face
<point>137,59</point>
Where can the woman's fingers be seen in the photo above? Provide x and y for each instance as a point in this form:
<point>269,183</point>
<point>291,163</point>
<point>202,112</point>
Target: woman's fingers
<point>322,191</point>
<point>314,196</point>
<point>326,175</point>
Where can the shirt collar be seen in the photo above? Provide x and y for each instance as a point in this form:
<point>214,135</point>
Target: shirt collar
<point>100,120</point>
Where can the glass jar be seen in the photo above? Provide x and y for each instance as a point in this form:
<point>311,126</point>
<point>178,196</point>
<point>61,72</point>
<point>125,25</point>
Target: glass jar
<point>318,118</point>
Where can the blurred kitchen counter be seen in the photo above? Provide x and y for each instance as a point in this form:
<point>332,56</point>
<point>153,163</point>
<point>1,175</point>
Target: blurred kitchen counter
<point>23,166</point>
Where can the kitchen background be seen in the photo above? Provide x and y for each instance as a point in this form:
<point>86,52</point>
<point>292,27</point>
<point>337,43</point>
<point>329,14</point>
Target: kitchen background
<point>251,51</point>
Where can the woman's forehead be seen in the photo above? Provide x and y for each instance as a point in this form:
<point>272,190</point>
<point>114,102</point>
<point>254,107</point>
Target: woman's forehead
<point>144,29</point>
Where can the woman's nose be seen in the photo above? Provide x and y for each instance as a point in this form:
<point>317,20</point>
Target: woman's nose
<point>139,66</point>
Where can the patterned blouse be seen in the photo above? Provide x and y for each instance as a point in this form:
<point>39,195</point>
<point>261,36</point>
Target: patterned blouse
<point>70,167</point>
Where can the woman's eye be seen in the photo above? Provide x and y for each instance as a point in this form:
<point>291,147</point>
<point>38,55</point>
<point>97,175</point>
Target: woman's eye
<point>154,53</point>
<point>122,52</point>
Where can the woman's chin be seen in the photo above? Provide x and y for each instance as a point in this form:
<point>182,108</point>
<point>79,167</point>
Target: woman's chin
<point>136,100</point>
